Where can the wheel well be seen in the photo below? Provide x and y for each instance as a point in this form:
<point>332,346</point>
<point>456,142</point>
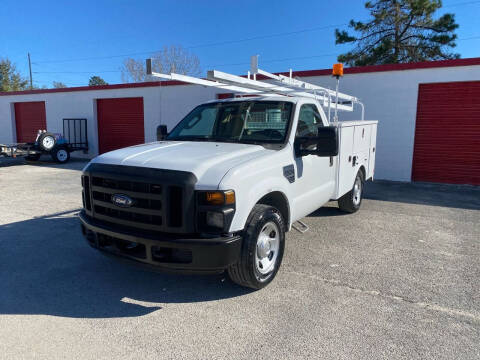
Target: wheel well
<point>279,201</point>
<point>364,173</point>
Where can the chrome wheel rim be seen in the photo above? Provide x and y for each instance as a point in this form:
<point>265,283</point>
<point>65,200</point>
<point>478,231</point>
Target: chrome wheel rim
<point>357,191</point>
<point>48,142</point>
<point>268,245</point>
<point>62,155</point>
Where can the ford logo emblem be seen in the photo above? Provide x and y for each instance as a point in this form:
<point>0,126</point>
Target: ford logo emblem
<point>122,200</point>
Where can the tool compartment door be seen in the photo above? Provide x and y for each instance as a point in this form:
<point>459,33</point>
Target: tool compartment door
<point>345,169</point>
<point>372,151</point>
<point>355,149</point>
<point>361,146</point>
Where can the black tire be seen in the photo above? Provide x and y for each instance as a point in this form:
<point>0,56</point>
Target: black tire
<point>32,157</point>
<point>60,154</point>
<point>47,141</point>
<point>245,272</point>
<point>351,201</point>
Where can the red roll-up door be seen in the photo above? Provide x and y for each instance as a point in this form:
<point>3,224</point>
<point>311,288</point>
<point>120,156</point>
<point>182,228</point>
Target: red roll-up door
<point>120,123</point>
<point>29,118</point>
<point>447,133</point>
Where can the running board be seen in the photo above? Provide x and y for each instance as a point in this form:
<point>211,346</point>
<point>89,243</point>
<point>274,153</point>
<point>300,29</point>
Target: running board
<point>303,228</point>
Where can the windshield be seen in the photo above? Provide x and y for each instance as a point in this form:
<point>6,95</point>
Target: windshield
<point>239,121</point>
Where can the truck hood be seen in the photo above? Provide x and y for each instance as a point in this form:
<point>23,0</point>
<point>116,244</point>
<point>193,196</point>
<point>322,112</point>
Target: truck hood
<point>208,161</point>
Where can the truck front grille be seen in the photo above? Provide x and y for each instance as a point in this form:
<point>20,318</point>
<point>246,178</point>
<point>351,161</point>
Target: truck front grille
<point>161,200</point>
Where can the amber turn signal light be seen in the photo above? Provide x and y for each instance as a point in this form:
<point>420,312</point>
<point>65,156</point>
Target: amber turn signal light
<point>220,197</point>
<point>229,197</point>
<point>215,198</point>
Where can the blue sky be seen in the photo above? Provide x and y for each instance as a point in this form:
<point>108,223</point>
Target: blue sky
<point>67,39</point>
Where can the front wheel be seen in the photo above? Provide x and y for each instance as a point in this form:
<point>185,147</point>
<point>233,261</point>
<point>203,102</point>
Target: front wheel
<point>262,248</point>
<point>351,201</point>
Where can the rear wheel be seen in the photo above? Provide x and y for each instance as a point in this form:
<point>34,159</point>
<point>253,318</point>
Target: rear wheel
<point>60,154</point>
<point>351,201</point>
<point>262,248</point>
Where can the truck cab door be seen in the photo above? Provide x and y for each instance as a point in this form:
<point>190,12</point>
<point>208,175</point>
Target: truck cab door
<point>315,184</point>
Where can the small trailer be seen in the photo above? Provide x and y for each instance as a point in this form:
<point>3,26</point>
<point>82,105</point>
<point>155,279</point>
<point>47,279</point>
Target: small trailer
<point>58,146</point>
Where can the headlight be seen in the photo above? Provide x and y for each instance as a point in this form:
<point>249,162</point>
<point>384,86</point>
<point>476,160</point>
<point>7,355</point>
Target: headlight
<point>215,219</point>
<point>214,210</point>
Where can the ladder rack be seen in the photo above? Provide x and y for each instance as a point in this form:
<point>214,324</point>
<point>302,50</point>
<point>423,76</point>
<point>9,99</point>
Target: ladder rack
<point>278,85</point>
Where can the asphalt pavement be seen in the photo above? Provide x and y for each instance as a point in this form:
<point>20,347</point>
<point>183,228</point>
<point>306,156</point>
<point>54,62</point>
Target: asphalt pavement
<point>398,279</point>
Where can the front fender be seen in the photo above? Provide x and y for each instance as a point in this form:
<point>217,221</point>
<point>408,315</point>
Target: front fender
<point>249,190</point>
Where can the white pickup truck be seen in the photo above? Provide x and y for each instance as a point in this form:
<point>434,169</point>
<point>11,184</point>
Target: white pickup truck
<point>225,185</point>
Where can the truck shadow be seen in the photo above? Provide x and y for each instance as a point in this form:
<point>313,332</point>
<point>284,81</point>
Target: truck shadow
<point>46,267</point>
<point>45,161</point>
<point>452,196</point>
<point>445,195</point>
<point>331,209</point>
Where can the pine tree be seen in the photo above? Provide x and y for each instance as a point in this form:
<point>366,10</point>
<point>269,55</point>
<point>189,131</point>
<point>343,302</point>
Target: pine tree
<point>96,80</point>
<point>10,79</point>
<point>400,31</point>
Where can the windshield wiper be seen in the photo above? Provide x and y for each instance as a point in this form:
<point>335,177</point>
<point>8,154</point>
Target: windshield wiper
<point>242,141</point>
<point>213,139</point>
<point>190,138</point>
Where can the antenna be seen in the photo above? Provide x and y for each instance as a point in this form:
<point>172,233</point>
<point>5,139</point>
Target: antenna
<point>148,63</point>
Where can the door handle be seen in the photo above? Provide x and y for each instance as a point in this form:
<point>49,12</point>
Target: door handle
<point>354,162</point>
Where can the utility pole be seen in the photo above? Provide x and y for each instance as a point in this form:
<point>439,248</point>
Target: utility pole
<point>30,69</point>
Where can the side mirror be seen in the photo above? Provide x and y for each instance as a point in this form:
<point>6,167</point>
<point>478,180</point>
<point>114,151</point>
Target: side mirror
<point>324,144</point>
<point>161,132</point>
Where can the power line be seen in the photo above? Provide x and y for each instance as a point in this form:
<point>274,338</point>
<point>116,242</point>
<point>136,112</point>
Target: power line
<point>277,60</point>
<point>462,4</point>
<point>76,72</point>
<point>220,65</point>
<point>268,36</point>
<point>226,42</point>
<point>92,58</point>
<point>470,38</point>
<point>208,66</point>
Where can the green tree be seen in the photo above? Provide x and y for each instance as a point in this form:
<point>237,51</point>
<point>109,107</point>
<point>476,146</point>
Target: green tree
<point>58,85</point>
<point>10,79</point>
<point>400,31</point>
<point>96,80</point>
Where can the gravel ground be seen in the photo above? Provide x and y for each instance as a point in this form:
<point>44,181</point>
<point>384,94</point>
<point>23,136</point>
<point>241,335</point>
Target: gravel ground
<point>399,279</point>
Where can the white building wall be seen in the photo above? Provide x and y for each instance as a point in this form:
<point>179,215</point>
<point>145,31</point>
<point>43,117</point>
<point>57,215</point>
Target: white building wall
<point>390,97</point>
<point>178,101</point>
<point>77,104</point>
<point>162,105</point>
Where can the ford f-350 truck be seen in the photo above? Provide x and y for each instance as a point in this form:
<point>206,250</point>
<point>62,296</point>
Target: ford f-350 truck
<point>225,185</point>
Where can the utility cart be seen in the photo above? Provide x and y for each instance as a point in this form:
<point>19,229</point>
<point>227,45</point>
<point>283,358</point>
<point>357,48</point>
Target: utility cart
<point>58,146</point>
